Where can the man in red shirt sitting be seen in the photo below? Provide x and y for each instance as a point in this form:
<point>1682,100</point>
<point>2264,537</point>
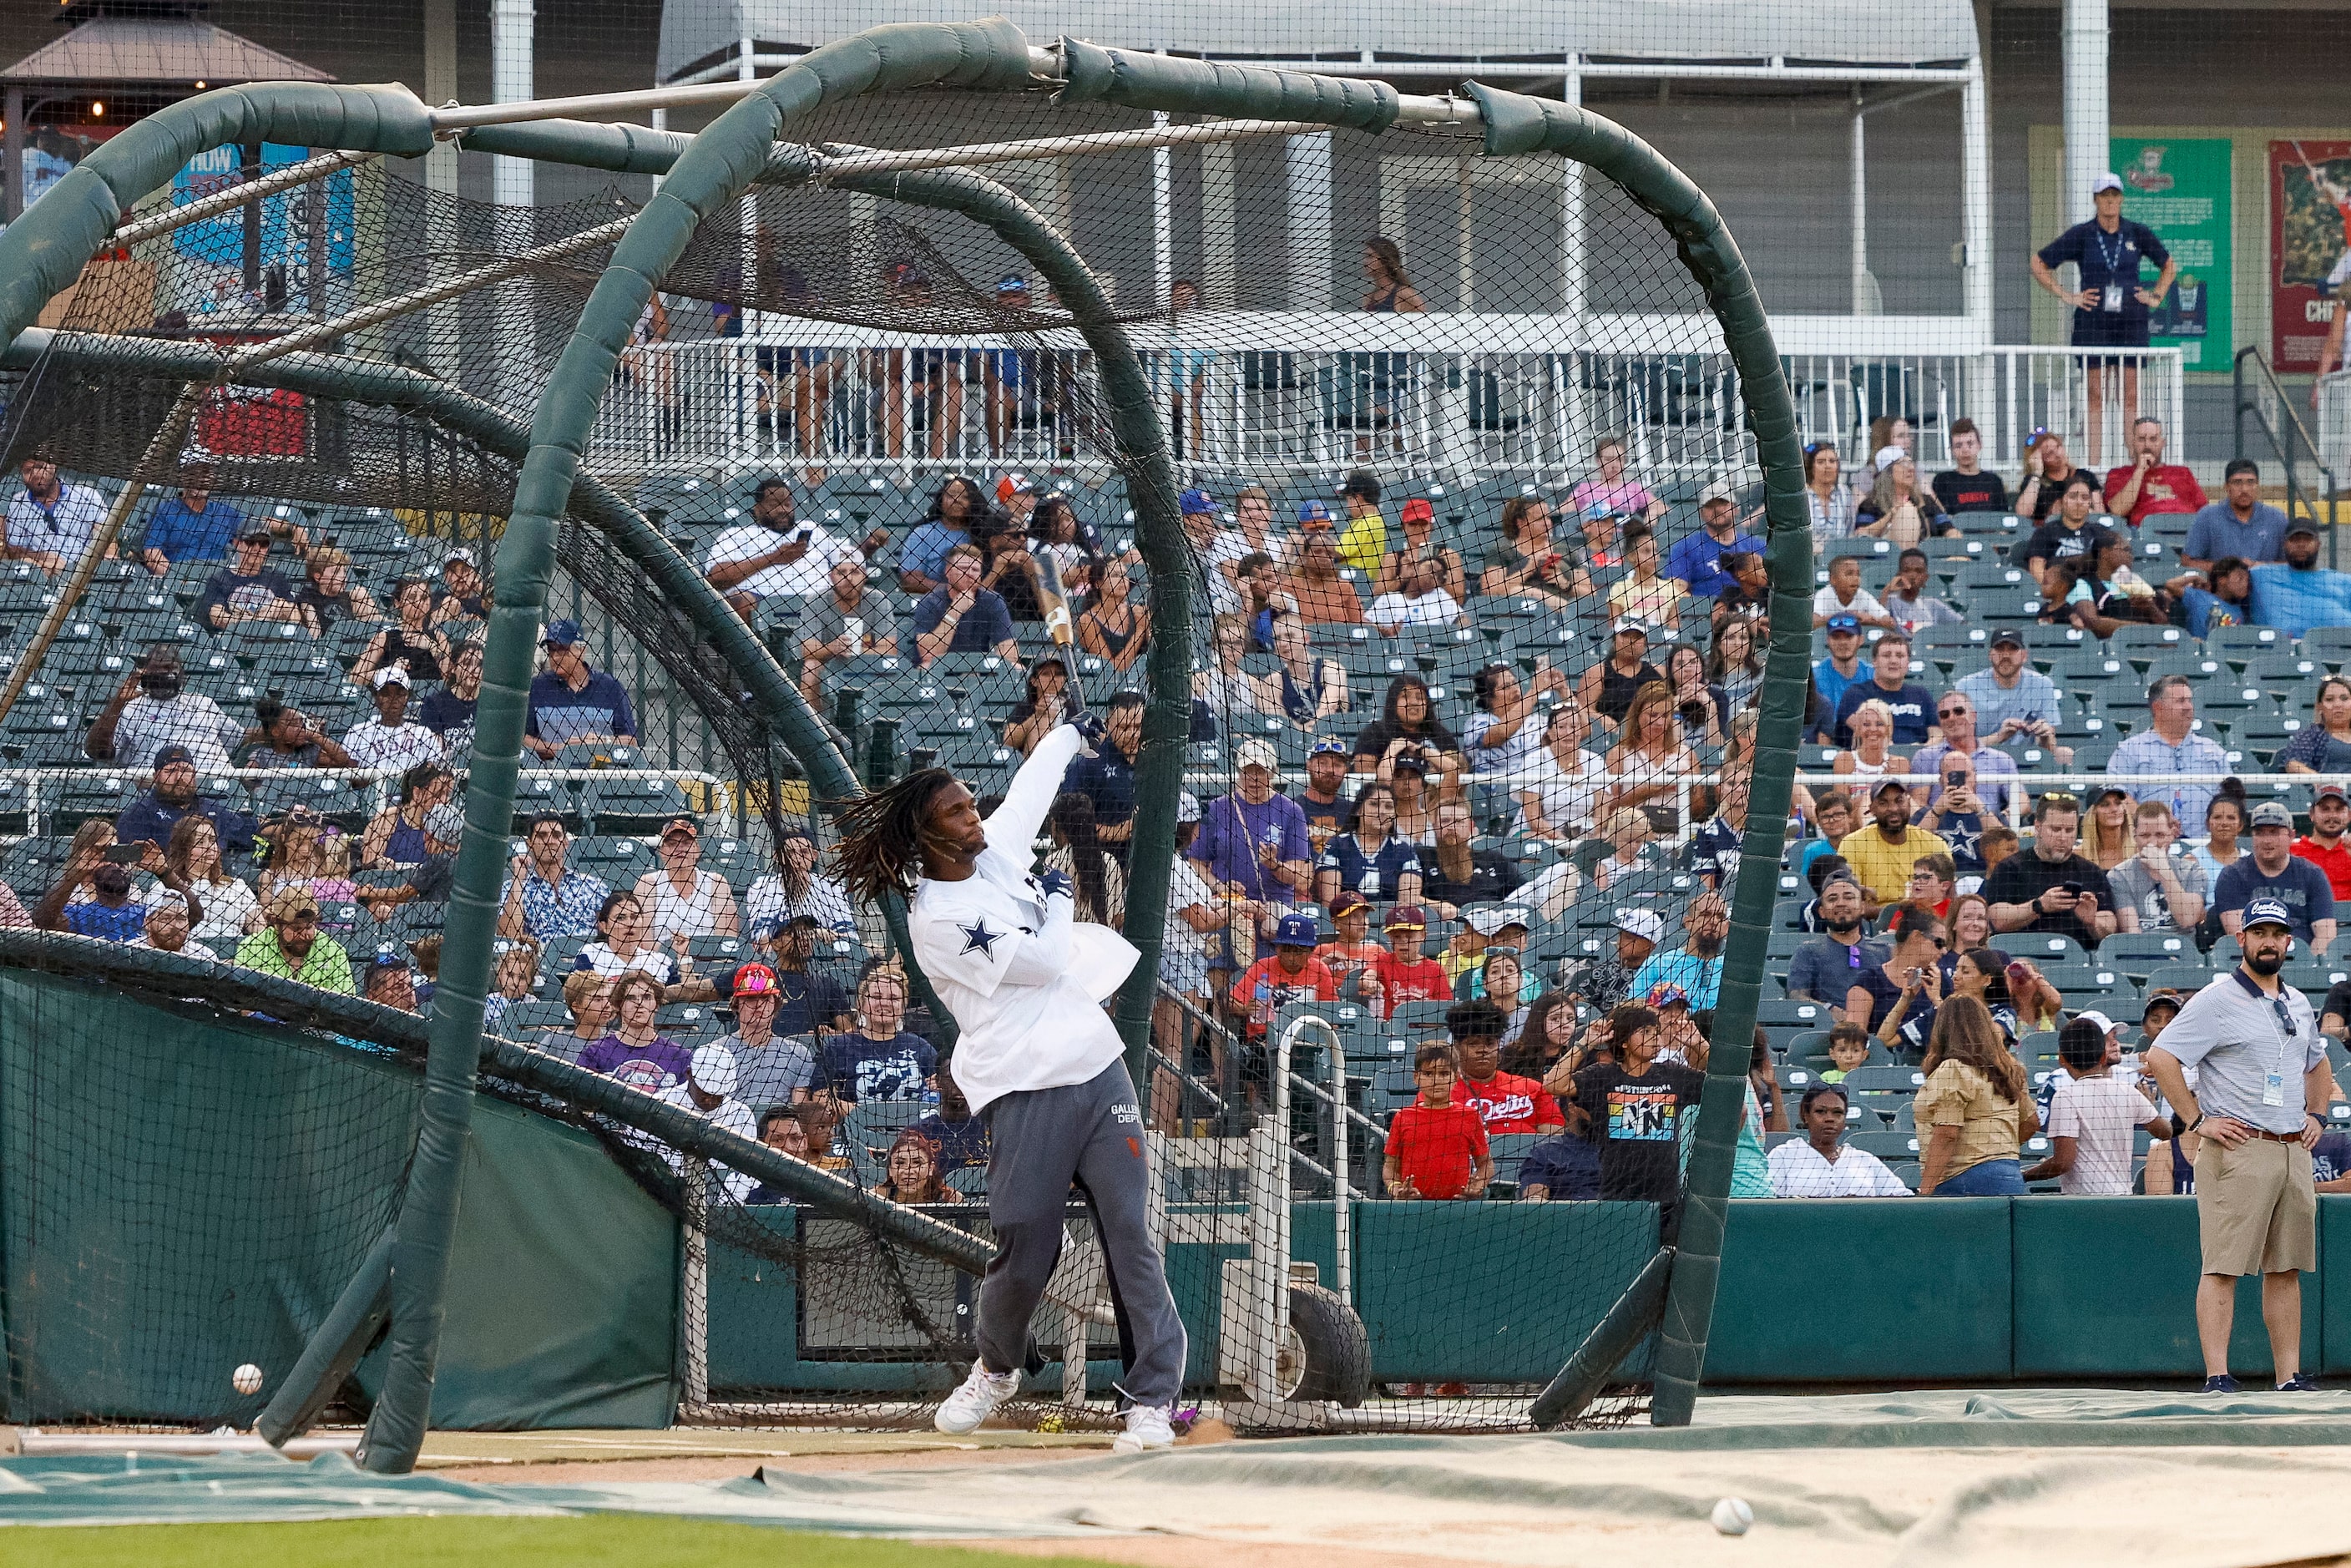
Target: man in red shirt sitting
<point>1403,975</point>
<point>2323,846</point>
<point>1507,1102</point>
<point>1437,1146</point>
<point>2150,487</point>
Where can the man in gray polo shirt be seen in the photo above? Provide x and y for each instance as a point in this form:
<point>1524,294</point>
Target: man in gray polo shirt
<point>2260,1069</point>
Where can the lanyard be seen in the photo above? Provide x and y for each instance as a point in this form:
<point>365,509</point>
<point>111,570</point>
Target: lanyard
<point>2111,255</point>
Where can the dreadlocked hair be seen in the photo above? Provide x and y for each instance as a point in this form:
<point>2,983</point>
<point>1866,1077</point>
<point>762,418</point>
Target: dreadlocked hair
<point>881,846</point>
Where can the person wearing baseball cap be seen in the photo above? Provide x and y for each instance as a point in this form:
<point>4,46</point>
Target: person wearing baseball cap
<point>1403,974</point>
<point>2273,874</point>
<point>1697,561</point>
<point>392,740</point>
<point>1420,542</point>
<point>2323,846</point>
<point>572,703</point>
<point>1326,769</point>
<point>290,947</point>
<point>1841,671</point>
<point>709,1092</point>
<point>1354,947</point>
<point>246,588</point>
<point>1291,974</point>
<point>2111,310</point>
<point>1606,980</point>
<point>2259,1105</point>
<point>1253,844</point>
<point>2012,698</point>
<point>678,895</point>
<point>1609,687</point>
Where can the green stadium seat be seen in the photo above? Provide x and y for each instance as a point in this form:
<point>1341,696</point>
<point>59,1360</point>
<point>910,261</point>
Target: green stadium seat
<point>2330,645</point>
<point>2141,954</point>
<point>2241,644</point>
<point>632,805</point>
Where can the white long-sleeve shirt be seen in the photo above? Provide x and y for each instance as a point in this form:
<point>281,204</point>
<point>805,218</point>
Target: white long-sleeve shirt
<point>998,952</point>
<point>734,1117</point>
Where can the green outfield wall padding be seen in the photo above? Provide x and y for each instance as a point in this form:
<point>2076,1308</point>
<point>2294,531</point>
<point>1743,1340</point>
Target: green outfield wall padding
<point>1865,1290</point>
<point>2334,1308</point>
<point>2105,1289</point>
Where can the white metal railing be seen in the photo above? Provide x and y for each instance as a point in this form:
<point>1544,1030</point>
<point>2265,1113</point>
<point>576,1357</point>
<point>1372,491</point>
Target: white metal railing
<point>37,792</point>
<point>2022,789</point>
<point>2333,428</point>
<point>1442,395</point>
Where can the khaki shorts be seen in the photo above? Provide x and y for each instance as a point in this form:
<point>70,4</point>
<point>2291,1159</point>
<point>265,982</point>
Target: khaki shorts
<point>2256,1210</point>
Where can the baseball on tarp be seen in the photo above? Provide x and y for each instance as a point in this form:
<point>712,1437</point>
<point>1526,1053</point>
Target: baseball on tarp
<point>1732,1516</point>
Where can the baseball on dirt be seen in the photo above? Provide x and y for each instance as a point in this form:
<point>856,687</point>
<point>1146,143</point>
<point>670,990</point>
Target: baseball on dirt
<point>248,1379</point>
<point>1732,1516</point>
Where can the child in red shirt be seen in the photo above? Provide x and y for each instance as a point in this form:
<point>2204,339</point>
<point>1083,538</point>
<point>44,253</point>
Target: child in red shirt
<point>1507,1102</point>
<point>1356,946</point>
<point>1291,974</point>
<point>1436,1149</point>
<point>1394,978</point>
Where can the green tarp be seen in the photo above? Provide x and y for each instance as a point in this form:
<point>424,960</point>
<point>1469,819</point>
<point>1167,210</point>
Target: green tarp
<point>181,1194</point>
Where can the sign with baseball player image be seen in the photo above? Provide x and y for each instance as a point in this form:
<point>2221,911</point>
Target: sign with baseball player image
<point>2179,187</point>
<point>2310,236</point>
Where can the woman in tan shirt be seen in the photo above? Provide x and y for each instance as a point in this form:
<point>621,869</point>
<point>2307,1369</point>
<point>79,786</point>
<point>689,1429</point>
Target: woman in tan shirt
<point>1974,1111</point>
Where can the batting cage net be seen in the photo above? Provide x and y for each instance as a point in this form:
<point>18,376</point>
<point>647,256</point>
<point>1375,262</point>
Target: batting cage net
<point>1464,758</point>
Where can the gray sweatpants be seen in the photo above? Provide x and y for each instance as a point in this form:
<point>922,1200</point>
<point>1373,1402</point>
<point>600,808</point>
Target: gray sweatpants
<point>1042,1140</point>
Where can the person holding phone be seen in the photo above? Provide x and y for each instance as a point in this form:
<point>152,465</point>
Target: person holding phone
<point>777,554</point>
<point>1958,815</point>
<point>2053,889</point>
<point>110,914</point>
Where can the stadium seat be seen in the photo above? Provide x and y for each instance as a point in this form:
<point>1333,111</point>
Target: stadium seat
<point>1887,1080</point>
<point>2243,643</point>
<point>2141,954</point>
<point>632,805</point>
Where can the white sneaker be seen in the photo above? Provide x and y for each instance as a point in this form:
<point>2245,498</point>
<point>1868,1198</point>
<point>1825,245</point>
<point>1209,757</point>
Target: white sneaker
<point>1147,1431</point>
<point>976,1400</point>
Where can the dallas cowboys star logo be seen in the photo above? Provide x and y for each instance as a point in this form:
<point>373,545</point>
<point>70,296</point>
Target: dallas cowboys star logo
<point>978,938</point>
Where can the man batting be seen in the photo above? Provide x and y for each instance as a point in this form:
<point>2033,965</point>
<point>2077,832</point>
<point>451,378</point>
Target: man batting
<point>1037,1057</point>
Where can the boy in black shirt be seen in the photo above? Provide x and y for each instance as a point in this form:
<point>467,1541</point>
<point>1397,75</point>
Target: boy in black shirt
<point>1637,1105</point>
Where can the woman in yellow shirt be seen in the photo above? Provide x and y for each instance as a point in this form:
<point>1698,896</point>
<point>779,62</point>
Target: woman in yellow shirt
<point>1974,1111</point>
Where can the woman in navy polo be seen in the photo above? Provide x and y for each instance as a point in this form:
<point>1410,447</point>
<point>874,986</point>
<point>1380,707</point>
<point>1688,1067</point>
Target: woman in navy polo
<point>2110,309</point>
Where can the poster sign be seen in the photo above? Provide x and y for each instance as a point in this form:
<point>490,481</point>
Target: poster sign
<point>2310,236</point>
<point>285,238</point>
<point>2179,187</point>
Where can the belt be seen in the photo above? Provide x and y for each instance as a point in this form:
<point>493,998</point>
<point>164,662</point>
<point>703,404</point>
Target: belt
<point>2271,1137</point>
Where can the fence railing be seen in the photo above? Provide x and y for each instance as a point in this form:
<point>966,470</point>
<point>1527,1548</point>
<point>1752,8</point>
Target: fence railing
<point>1428,395</point>
<point>34,796</point>
<point>2310,472</point>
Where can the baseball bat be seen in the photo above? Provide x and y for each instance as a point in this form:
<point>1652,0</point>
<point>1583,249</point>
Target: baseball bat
<point>1054,600</point>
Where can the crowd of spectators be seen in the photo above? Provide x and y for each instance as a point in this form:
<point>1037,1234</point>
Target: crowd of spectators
<point>1485,849</point>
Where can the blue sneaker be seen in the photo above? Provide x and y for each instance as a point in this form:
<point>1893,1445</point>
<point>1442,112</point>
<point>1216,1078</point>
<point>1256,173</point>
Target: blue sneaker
<point>2221,1383</point>
<point>2300,1383</point>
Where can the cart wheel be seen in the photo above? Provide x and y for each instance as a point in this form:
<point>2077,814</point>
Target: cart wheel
<point>1327,1356</point>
